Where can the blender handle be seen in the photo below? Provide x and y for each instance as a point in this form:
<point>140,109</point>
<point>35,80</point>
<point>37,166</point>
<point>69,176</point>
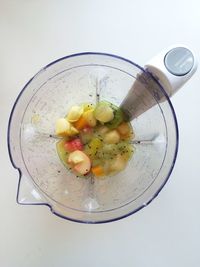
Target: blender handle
<point>173,67</point>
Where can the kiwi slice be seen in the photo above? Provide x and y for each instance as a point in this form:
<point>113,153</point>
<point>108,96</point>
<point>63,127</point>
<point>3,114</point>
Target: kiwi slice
<point>118,117</point>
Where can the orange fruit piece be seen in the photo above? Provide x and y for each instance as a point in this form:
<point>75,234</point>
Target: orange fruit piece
<point>81,123</point>
<point>98,171</point>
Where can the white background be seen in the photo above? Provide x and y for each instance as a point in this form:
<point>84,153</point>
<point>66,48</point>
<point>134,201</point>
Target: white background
<point>166,233</point>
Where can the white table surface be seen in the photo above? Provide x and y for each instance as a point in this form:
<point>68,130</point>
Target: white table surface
<point>167,232</point>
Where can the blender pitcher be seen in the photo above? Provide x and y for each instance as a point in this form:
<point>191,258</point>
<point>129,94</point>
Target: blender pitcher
<point>143,94</point>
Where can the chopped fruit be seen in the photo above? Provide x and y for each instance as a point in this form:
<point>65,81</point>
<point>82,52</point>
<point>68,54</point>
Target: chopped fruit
<point>107,152</point>
<point>109,148</point>
<point>118,118</point>
<point>86,135</point>
<point>88,106</point>
<point>74,113</point>
<point>87,130</point>
<point>93,146</point>
<point>81,123</point>
<point>96,162</point>
<point>73,145</point>
<point>95,143</point>
<point>112,137</point>
<point>98,171</point>
<point>80,162</point>
<point>124,129</point>
<point>118,164</point>
<point>103,112</point>
<point>95,140</point>
<point>72,131</point>
<point>90,118</point>
<point>75,157</point>
<point>125,149</point>
<point>102,130</point>
<point>62,127</point>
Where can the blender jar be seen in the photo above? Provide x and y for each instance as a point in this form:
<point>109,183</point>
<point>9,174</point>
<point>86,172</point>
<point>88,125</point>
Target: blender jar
<point>72,80</point>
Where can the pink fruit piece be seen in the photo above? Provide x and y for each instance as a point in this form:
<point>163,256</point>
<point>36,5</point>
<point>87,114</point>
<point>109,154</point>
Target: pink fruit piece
<point>73,145</point>
<point>79,162</point>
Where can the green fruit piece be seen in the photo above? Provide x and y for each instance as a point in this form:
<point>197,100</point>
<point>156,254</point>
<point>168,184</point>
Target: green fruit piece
<point>118,118</point>
<point>92,148</point>
<point>86,137</point>
<point>102,130</point>
<point>104,112</point>
<point>97,162</point>
<point>125,149</point>
<point>107,152</point>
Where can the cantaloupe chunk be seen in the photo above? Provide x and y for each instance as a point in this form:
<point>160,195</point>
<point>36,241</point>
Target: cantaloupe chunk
<point>124,129</point>
<point>98,171</point>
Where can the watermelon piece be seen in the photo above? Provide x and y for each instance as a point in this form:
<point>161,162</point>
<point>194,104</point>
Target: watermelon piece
<point>73,145</point>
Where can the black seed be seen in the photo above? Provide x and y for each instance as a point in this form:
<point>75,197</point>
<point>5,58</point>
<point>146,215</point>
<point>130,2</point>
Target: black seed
<point>50,135</point>
<point>58,171</point>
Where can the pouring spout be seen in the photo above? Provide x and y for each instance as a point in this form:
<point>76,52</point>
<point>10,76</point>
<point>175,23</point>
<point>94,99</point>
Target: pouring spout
<point>27,194</point>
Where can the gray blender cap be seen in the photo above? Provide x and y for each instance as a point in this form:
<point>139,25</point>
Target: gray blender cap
<point>179,61</point>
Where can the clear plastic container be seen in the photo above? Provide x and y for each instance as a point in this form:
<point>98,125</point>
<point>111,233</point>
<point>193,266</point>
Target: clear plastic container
<point>44,180</point>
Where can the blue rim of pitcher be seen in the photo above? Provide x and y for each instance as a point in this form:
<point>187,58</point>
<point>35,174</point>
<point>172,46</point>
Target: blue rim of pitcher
<point>48,205</point>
